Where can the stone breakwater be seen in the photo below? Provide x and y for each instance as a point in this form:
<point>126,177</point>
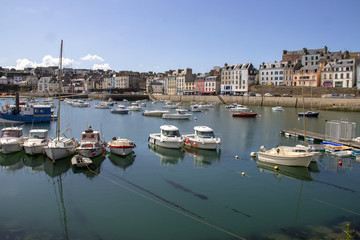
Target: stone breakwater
<point>335,104</point>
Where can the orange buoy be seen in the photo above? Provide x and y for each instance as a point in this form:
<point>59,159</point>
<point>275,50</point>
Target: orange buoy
<point>340,163</point>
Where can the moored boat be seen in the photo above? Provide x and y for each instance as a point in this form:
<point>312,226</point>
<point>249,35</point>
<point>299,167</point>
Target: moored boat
<point>180,115</point>
<point>120,109</point>
<point>284,156</point>
<point>155,113</point>
<point>37,140</point>
<point>203,138</point>
<point>80,161</point>
<point>308,114</point>
<point>169,137</point>
<point>11,140</point>
<point>121,146</point>
<point>244,114</point>
<point>91,144</point>
<point>278,109</point>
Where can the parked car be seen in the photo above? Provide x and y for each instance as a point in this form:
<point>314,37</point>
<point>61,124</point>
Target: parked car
<point>267,95</point>
<point>258,95</point>
<point>286,95</point>
<point>251,94</point>
<point>276,95</point>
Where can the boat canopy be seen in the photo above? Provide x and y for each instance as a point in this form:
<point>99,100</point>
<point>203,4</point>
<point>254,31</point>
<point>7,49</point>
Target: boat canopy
<point>11,132</point>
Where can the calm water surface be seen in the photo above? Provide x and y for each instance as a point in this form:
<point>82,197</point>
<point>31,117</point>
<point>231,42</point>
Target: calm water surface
<point>173,194</point>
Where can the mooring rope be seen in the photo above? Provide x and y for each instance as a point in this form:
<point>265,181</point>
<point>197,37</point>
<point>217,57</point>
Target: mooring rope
<point>167,206</point>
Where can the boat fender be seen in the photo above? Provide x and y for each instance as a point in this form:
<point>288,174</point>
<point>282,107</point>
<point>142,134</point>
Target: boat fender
<point>253,154</point>
<point>149,139</point>
<point>195,144</point>
<point>278,150</point>
<point>73,139</point>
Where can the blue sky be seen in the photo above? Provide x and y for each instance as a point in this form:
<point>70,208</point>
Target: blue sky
<point>159,35</point>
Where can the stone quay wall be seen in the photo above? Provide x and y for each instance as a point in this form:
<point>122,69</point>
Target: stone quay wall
<point>335,104</point>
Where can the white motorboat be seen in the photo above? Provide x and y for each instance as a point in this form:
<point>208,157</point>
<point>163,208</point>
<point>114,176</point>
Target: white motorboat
<point>169,137</point>
<point>37,140</point>
<point>80,161</point>
<point>170,106</point>
<point>285,156</point>
<point>155,113</point>
<point>180,115</point>
<point>60,147</point>
<point>91,144</point>
<point>239,108</point>
<point>120,109</point>
<point>102,105</point>
<point>121,146</point>
<point>135,108</point>
<point>196,108</point>
<point>80,104</point>
<point>278,109</point>
<point>11,140</point>
<point>203,138</point>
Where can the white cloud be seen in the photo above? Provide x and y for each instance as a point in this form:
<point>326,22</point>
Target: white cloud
<point>47,61</point>
<point>105,66</point>
<point>90,57</point>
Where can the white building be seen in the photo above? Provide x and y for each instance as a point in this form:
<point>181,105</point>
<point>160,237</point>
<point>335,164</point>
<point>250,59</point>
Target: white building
<point>44,84</point>
<point>344,73</point>
<point>237,78</point>
<point>272,73</point>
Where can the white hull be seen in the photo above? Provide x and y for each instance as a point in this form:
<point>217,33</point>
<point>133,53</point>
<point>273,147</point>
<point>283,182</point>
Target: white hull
<point>301,159</point>
<point>167,142</point>
<point>7,148</point>
<point>200,145</point>
<point>89,153</point>
<point>184,116</point>
<point>80,162</point>
<point>59,153</point>
<point>155,113</point>
<point>121,151</point>
<point>33,150</point>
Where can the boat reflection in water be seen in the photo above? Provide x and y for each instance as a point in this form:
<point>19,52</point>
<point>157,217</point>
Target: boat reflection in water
<point>167,155</point>
<point>59,167</point>
<point>35,162</point>
<point>301,173</point>
<point>12,161</point>
<point>122,161</point>
<point>203,157</point>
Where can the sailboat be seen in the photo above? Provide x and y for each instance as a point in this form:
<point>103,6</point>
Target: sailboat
<point>60,147</point>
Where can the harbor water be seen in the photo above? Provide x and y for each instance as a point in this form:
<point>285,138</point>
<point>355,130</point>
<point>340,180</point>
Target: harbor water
<point>158,193</point>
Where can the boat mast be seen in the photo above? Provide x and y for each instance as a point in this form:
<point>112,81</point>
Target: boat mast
<point>59,91</point>
<point>304,120</point>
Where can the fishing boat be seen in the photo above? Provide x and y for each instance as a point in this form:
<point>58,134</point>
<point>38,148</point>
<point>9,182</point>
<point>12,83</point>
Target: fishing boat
<point>179,115</point>
<point>239,108</point>
<point>91,144</point>
<point>285,156</point>
<point>121,146</point>
<point>169,137</point>
<point>60,147</point>
<point>80,161</point>
<point>135,107</point>
<point>25,113</point>
<point>244,114</point>
<point>155,113</point>
<point>120,109</point>
<point>37,140</point>
<point>203,138</point>
<point>11,140</point>
<point>308,114</point>
<point>80,104</point>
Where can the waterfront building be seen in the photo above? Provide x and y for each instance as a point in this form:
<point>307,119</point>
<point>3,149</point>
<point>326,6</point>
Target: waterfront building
<point>311,57</point>
<point>200,83</point>
<point>236,78</point>
<point>189,88</point>
<point>344,73</point>
<point>44,84</point>
<point>306,76</point>
<point>289,71</point>
<point>156,87</point>
<point>212,85</point>
<point>171,83</point>
<point>358,76</point>
<point>327,75</point>
<point>272,73</point>
<point>182,77</point>
<point>3,80</point>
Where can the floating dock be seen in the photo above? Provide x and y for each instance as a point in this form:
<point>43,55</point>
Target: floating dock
<point>317,137</point>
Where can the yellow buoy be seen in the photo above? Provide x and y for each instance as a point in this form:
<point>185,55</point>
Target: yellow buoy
<point>236,156</point>
<point>276,168</point>
<point>243,173</point>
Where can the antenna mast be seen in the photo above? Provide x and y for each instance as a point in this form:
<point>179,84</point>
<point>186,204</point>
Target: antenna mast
<point>59,91</point>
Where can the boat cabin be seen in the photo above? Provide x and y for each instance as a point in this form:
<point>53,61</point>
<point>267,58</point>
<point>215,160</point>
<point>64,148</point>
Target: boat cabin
<point>90,135</point>
<point>170,131</point>
<point>11,132</point>
<point>204,132</point>
<point>38,133</point>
